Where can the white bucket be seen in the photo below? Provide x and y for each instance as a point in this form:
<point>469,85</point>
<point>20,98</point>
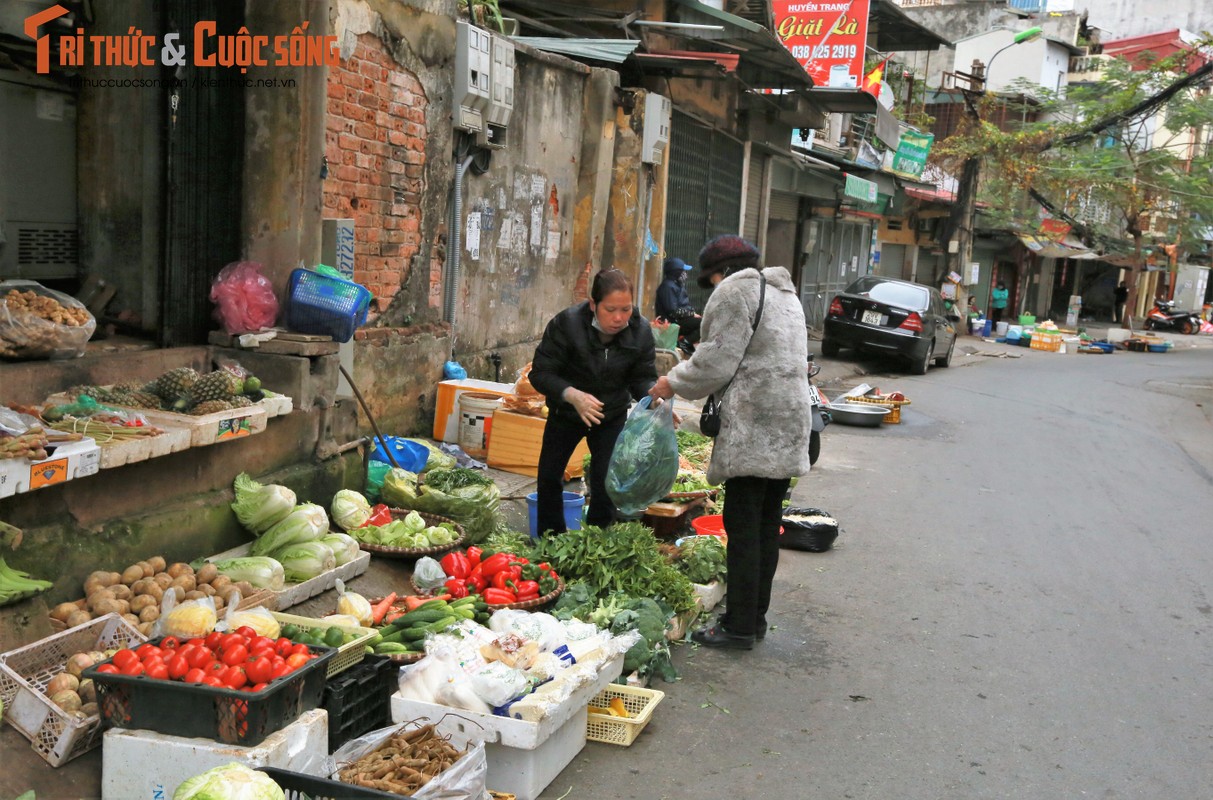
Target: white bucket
<point>1001,329</point>
<point>476,421</point>
<point>1071,344</point>
<point>976,326</point>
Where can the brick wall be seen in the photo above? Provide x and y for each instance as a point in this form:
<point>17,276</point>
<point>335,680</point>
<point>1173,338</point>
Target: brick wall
<point>375,147</point>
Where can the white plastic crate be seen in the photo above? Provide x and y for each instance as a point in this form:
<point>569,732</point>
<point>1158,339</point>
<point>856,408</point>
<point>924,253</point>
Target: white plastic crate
<point>66,462</point>
<point>24,673</point>
<point>145,765</point>
<point>295,593</point>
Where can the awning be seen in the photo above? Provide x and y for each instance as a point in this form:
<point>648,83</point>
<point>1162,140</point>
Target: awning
<point>895,31</point>
<point>612,51</point>
<point>1067,248</point>
<point>932,195</point>
<point>765,63</point>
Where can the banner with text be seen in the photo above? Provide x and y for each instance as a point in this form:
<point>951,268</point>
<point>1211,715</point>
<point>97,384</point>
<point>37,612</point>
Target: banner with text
<point>827,38</point>
<point>912,151</point>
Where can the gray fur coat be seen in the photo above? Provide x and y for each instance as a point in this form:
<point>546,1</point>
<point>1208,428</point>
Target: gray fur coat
<point>766,414</point>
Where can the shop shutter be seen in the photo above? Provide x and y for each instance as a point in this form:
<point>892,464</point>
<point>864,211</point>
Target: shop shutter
<point>753,201</point>
<point>892,260</point>
<point>784,205</point>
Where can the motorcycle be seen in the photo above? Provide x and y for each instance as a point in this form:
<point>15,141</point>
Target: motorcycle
<point>821,416</point>
<point>1164,317</point>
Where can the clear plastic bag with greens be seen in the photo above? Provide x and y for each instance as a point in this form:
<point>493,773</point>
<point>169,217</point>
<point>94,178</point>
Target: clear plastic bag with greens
<point>475,506</point>
<point>645,462</point>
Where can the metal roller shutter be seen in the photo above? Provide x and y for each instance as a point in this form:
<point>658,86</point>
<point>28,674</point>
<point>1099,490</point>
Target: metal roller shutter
<point>784,205</point>
<point>753,197</point>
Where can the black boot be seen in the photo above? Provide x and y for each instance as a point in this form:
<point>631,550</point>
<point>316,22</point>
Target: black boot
<point>717,636</point>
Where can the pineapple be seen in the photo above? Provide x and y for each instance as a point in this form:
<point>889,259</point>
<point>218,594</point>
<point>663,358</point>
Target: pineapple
<point>141,399</point>
<point>175,384</point>
<point>217,385</point>
<point>240,401</point>
<point>210,407</point>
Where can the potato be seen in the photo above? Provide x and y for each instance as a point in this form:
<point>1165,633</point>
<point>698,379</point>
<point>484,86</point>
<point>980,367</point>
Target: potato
<point>246,588</point>
<point>78,618</point>
<point>104,578</point>
<point>206,589</point>
<point>145,628</point>
<point>219,581</point>
<point>132,619</point>
<point>98,596</point>
<point>195,595</point>
<point>226,592</point>
<point>110,606</point>
<point>219,604</point>
<point>68,700</point>
<point>207,574</point>
<point>179,569</point>
<point>87,691</point>
<point>140,586</point>
<point>64,610</point>
<point>163,580</point>
<point>61,682</point>
<point>147,569</point>
<point>158,564</point>
<point>141,602</point>
<point>94,585</point>
<point>122,592</point>
<point>132,574</point>
<point>176,591</point>
<point>90,709</point>
<point>154,591</point>
<point>149,614</point>
<point>186,582</point>
<point>78,663</point>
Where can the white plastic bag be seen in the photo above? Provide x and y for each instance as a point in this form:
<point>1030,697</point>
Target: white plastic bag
<point>497,684</point>
<point>537,627</point>
<point>463,780</point>
<point>37,322</point>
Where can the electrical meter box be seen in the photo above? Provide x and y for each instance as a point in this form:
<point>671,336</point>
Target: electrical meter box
<point>501,98</point>
<point>656,128</point>
<point>473,64</point>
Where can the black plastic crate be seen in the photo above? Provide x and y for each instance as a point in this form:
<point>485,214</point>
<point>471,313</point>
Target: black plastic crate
<point>197,710</point>
<point>308,787</point>
<point>358,700</point>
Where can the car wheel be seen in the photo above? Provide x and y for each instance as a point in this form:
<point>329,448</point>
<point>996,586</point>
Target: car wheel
<point>921,366</point>
<point>814,447</point>
<point>946,361</point>
<point>829,348</point>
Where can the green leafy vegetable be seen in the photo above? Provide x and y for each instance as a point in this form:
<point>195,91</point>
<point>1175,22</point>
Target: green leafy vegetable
<point>305,560</point>
<point>702,559</point>
<point>448,480</point>
<point>645,461</point>
<point>259,506</point>
<point>504,540</point>
<point>306,523</point>
<point>260,571</point>
<point>233,781</point>
<point>475,506</point>
<point>350,509</point>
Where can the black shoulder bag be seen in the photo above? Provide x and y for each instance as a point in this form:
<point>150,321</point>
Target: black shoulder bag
<point>709,418</point>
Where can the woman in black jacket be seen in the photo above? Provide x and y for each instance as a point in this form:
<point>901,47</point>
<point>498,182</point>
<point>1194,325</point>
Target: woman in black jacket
<point>594,359</point>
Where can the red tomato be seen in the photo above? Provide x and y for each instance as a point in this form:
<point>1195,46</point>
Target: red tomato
<point>283,646</point>
<point>177,667</point>
<point>230,640</point>
<point>212,639</point>
<point>297,660</point>
<point>200,657</point>
<point>108,669</point>
<point>260,669</point>
<point>170,643</point>
<point>211,680</point>
<point>282,669</point>
<point>158,671</point>
<point>257,687</point>
<point>151,664</point>
<point>260,646</point>
<point>144,650</point>
<point>197,642</point>
<point>195,676</point>
<point>300,649</point>
<point>234,677</point>
<point>237,654</point>
<point>247,632</point>
<point>215,668</point>
<point>134,669</point>
<point>124,658</point>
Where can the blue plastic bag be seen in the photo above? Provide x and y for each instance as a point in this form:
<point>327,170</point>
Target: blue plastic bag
<point>644,464</point>
<point>410,456</point>
<point>454,371</point>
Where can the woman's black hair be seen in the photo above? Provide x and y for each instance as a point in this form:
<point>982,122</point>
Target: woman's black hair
<point>610,280</point>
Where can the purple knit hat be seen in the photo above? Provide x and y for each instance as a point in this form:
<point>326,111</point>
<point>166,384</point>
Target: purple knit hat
<point>723,253</point>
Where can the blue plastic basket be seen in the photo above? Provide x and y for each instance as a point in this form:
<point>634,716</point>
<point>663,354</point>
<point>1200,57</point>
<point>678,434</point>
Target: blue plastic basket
<point>326,306</point>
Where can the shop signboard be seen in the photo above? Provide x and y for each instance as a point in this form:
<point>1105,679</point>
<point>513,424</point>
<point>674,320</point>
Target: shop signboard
<point>827,38</point>
<point>912,151</point>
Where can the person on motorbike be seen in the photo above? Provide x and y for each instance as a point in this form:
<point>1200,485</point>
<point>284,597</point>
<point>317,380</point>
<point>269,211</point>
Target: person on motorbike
<point>673,304</point>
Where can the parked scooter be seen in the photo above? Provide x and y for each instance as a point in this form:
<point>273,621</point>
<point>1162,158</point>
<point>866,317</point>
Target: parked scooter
<point>1164,317</point>
<point>821,416</point>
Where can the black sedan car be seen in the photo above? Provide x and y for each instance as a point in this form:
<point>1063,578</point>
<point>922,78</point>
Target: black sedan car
<point>900,318</point>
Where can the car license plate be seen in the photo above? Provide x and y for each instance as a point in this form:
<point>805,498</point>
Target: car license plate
<point>814,397</point>
<point>873,318</point>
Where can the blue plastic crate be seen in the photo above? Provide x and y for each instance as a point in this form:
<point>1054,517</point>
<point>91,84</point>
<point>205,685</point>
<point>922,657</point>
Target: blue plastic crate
<point>326,306</point>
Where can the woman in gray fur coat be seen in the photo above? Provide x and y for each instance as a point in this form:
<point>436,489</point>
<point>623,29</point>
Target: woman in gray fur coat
<point>765,420</point>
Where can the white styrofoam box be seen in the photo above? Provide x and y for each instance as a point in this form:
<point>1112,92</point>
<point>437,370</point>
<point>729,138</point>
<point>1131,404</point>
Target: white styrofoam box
<point>64,463</point>
<point>295,593</point>
<point>138,764</point>
<point>446,404</point>
<point>524,757</point>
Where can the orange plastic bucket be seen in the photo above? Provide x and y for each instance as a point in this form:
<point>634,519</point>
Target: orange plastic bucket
<point>709,525</point>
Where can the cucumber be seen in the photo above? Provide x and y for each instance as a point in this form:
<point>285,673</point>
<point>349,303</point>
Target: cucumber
<point>420,615</point>
<point>441,625</point>
<point>387,648</point>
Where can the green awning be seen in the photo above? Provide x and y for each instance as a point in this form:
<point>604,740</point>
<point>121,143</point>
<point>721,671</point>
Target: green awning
<point>859,188</point>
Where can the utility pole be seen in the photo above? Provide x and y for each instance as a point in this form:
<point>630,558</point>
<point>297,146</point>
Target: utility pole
<point>958,231</point>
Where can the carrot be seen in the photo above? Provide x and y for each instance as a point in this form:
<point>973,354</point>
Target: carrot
<point>381,608</point>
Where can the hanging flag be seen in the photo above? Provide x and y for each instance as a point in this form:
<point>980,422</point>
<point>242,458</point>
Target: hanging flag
<point>871,81</point>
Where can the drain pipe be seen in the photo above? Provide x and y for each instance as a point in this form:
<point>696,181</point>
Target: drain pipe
<point>644,248</point>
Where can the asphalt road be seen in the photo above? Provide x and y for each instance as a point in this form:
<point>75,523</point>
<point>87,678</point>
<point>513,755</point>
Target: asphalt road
<point>1019,605</point>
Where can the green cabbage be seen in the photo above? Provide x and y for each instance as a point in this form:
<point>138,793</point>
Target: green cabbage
<point>233,781</point>
<point>475,507</point>
<point>307,523</point>
<point>350,509</point>
<point>258,506</point>
<point>260,571</point>
<point>345,547</point>
<point>305,560</point>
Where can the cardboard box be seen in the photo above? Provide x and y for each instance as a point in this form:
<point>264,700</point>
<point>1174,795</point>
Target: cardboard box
<point>446,405</point>
<point>515,443</point>
<point>65,462</point>
<point>144,764</point>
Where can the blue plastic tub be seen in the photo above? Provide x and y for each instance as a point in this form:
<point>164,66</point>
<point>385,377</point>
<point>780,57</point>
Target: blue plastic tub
<point>326,306</point>
<point>573,504</point>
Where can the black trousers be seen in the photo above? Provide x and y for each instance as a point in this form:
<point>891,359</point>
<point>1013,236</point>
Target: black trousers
<point>560,438</point>
<point>753,513</point>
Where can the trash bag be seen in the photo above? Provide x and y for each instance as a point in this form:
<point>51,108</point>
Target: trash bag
<point>645,462</point>
<point>411,456</point>
<point>244,298</point>
<point>376,471</point>
<point>37,322</point>
<point>808,529</point>
<point>665,336</point>
<point>476,508</point>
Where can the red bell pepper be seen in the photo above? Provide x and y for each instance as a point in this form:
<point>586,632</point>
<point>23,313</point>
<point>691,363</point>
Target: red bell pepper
<point>477,583</point>
<point>474,554</point>
<point>495,563</point>
<point>380,515</point>
<point>456,565</point>
<point>522,598</point>
<point>499,597</point>
<point>526,587</point>
<point>507,578</point>
<point>457,587</point>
